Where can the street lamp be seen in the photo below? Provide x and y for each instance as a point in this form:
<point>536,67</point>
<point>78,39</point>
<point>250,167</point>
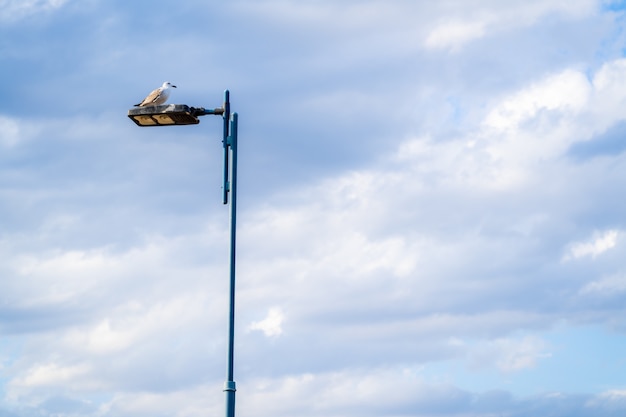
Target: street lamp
<point>179,114</point>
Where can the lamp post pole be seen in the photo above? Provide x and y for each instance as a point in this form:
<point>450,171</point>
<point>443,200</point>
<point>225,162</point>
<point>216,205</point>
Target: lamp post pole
<point>177,114</point>
<point>230,187</point>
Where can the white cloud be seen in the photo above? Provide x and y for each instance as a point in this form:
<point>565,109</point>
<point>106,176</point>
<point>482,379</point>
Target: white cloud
<point>14,10</point>
<point>103,338</point>
<point>65,275</point>
<point>271,326</point>
<point>10,131</point>
<point>509,355</point>
<point>454,34</point>
<point>477,21</point>
<point>524,134</point>
<point>349,393</point>
<point>198,401</point>
<point>614,394</point>
<point>566,92</point>
<point>609,400</point>
<point>50,374</point>
<point>606,286</point>
<point>609,97</point>
<point>597,245</point>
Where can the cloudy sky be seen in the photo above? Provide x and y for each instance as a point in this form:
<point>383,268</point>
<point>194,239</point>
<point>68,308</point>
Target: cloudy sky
<point>431,216</point>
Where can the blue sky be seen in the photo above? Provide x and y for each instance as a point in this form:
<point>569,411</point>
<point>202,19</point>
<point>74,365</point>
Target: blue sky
<point>430,218</point>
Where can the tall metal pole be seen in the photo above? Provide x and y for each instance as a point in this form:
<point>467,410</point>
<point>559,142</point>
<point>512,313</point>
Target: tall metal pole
<point>230,187</point>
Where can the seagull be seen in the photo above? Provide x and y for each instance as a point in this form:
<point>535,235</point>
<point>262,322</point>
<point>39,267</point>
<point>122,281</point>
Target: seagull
<point>158,96</point>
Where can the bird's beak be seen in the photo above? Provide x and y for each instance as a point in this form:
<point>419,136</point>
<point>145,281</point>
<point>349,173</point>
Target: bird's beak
<point>173,86</point>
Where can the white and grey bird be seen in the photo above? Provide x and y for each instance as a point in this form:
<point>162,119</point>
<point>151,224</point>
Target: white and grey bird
<point>158,96</point>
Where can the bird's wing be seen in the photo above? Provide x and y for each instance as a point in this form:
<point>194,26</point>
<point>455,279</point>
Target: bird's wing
<point>152,97</point>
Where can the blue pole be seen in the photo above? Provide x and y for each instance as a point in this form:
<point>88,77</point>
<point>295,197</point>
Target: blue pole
<point>229,385</point>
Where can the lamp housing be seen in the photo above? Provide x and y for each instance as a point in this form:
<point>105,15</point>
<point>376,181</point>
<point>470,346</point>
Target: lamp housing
<point>168,115</point>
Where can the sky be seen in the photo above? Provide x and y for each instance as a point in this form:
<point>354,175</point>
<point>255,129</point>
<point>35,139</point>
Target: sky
<point>430,211</point>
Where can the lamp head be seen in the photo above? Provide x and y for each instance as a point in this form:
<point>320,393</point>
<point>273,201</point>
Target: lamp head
<point>166,115</point>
